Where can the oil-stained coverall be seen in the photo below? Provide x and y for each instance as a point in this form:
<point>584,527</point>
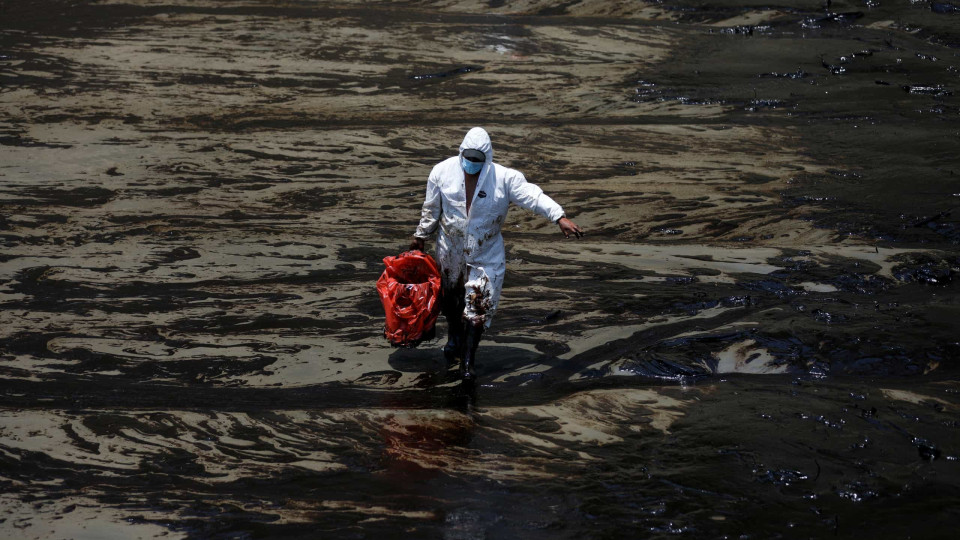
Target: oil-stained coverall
<point>469,247</point>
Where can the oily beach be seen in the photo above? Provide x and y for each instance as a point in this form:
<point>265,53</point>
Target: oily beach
<point>757,337</point>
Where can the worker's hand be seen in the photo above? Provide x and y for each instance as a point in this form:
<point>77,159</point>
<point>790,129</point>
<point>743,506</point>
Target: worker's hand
<point>568,227</point>
<point>416,244</point>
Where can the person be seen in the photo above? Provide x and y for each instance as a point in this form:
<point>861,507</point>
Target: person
<point>467,199</point>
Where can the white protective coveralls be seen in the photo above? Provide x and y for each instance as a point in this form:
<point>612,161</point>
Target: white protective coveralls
<point>469,246</point>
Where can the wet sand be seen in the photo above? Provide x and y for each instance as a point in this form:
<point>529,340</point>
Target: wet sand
<point>757,336</point>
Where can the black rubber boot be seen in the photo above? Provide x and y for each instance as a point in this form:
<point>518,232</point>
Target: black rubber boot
<point>472,333</point>
<point>451,305</point>
<point>454,342</point>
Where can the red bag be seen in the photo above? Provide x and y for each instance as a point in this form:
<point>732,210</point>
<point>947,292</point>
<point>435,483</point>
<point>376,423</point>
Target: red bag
<point>410,292</point>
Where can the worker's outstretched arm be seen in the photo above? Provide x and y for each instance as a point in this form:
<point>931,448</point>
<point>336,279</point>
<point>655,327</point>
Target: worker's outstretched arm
<point>531,197</point>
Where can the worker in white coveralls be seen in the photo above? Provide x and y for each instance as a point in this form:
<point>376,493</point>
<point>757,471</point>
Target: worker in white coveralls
<point>467,198</point>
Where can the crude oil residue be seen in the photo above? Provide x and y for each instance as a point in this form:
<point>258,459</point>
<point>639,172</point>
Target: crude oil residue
<point>756,338</point>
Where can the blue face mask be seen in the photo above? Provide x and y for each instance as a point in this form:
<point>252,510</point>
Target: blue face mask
<point>470,167</point>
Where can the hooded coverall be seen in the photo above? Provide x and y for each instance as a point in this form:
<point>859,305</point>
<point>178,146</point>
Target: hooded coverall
<point>469,246</point>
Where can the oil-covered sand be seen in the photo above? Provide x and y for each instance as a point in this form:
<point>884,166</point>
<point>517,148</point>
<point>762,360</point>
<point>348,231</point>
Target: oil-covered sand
<point>757,338</point>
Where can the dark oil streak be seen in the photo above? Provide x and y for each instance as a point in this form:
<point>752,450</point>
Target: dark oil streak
<point>376,14</point>
<point>73,392</point>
